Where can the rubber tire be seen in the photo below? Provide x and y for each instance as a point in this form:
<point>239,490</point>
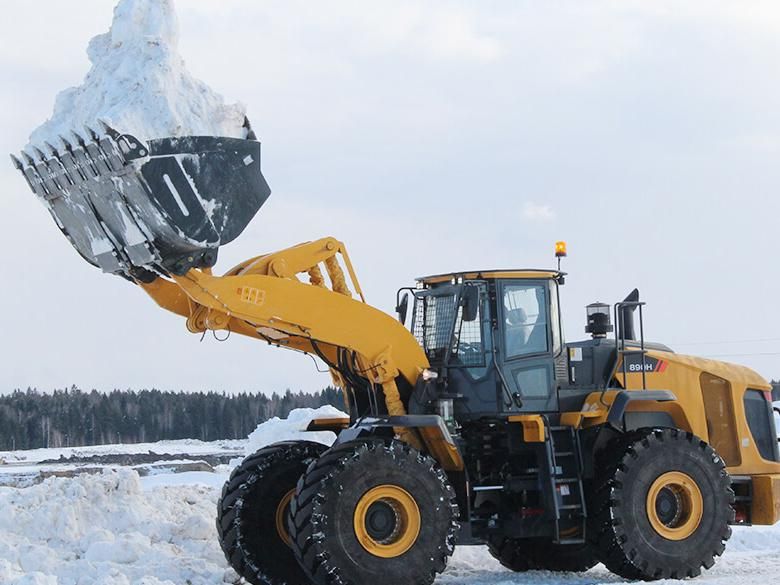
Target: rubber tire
<point>322,512</point>
<point>246,513</point>
<point>620,531</point>
<point>536,554</point>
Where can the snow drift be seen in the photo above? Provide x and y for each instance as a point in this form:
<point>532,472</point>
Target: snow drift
<point>106,530</point>
<point>139,84</point>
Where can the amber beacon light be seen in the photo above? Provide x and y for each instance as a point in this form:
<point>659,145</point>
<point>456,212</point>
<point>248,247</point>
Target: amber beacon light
<point>560,252</point>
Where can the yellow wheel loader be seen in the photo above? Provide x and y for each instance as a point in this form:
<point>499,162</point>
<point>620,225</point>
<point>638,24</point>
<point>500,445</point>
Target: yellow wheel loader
<point>478,425</point>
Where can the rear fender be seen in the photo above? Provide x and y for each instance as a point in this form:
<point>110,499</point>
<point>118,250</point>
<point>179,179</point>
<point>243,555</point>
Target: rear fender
<point>610,407</point>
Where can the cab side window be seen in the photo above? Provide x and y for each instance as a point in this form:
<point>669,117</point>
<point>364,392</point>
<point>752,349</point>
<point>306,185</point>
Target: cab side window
<point>525,319</point>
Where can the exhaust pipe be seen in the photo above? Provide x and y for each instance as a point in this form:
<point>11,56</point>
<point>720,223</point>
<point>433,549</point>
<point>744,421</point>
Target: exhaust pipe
<point>626,316</point>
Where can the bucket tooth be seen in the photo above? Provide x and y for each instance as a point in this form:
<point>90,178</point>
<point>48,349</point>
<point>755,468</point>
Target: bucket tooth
<point>98,158</point>
<point>79,139</point>
<point>47,173</point>
<point>56,168</point>
<point>71,164</point>
<point>65,143</point>
<point>110,153</point>
<point>91,147</point>
<point>90,132</point>
<point>21,168</point>
<point>34,179</point>
<point>41,156</point>
<point>83,157</point>
<point>109,130</point>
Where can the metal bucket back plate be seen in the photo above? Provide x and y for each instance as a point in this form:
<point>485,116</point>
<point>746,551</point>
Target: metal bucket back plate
<point>164,206</point>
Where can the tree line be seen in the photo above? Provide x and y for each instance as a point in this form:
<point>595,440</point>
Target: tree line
<point>68,418</point>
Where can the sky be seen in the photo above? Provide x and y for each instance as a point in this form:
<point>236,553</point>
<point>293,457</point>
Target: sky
<point>430,137</point>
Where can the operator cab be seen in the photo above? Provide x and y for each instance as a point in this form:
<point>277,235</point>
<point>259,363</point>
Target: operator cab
<point>493,339</point>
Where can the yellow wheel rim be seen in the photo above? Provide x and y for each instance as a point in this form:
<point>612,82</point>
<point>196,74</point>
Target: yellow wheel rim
<point>387,521</point>
<point>281,517</point>
<point>675,506</point>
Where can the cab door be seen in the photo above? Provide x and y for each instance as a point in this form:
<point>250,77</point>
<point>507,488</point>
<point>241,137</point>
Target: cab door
<point>527,342</point>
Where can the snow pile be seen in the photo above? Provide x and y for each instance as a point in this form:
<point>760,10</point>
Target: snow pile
<point>113,529</point>
<point>105,530</point>
<point>293,428</point>
<point>139,84</point>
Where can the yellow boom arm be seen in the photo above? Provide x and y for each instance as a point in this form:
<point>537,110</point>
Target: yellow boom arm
<point>284,299</point>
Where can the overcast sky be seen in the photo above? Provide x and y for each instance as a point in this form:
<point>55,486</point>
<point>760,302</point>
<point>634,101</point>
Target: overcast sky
<point>434,136</point>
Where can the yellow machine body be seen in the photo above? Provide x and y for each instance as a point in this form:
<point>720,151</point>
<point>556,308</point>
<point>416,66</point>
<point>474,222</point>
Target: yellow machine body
<point>710,404</point>
<point>307,298</point>
<point>285,299</point>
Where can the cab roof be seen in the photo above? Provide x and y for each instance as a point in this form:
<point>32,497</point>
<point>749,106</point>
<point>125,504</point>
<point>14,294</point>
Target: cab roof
<point>519,273</point>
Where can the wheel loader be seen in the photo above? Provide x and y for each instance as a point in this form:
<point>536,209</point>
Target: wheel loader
<point>477,425</point>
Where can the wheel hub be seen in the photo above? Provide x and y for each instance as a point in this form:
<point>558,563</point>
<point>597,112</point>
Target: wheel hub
<point>382,522</point>
<point>387,521</point>
<point>675,506</point>
<point>669,506</point>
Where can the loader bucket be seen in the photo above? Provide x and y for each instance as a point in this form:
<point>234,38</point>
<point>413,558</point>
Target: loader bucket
<point>136,208</point>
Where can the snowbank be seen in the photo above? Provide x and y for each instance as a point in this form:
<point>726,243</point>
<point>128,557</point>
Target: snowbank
<point>114,529</point>
<point>106,530</point>
<point>293,428</point>
<point>139,84</point>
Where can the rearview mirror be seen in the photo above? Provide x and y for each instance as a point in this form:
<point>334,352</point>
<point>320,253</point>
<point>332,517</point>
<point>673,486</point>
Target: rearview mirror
<point>403,308</point>
<point>470,302</point>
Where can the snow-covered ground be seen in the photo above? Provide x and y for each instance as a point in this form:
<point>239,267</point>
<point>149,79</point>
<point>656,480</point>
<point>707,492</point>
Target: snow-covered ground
<point>181,447</point>
<point>117,528</point>
<point>26,468</point>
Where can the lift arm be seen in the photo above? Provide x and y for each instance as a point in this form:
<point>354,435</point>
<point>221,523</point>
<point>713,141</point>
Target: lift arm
<point>284,299</point>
